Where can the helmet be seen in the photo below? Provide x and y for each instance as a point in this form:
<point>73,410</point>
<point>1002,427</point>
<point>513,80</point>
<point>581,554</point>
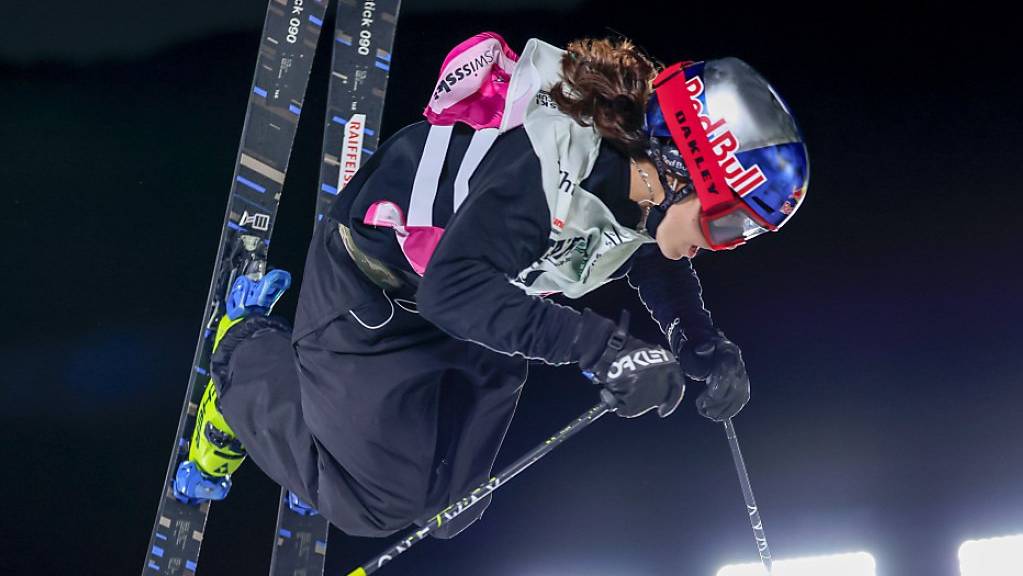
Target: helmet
<point>719,130</point>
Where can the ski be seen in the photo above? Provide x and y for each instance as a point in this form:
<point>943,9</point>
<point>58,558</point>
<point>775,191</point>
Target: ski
<point>286,51</point>
<point>360,64</point>
<point>300,539</point>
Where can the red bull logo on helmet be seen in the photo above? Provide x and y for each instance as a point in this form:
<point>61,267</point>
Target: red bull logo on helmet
<point>723,144</point>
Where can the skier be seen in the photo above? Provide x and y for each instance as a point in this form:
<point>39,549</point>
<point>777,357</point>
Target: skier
<point>424,289</point>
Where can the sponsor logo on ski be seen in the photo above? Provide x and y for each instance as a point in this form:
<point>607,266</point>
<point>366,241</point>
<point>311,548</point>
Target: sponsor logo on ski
<point>365,34</point>
<point>295,22</point>
<point>256,221</point>
<point>470,68</point>
<point>351,149</point>
<point>636,360</point>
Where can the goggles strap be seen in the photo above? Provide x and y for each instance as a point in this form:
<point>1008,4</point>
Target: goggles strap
<point>680,110</point>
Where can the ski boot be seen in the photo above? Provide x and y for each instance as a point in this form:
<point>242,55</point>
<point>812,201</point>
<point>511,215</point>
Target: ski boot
<point>215,451</point>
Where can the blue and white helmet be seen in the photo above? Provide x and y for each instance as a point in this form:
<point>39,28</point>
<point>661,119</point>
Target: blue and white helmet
<point>722,127</point>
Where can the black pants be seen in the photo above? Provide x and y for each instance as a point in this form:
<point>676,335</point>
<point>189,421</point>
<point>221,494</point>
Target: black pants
<point>367,411</point>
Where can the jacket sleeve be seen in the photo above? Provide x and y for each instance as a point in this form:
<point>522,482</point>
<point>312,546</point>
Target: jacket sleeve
<point>500,230</point>
<point>671,292</point>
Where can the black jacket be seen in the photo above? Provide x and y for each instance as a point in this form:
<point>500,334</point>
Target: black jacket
<point>500,229</point>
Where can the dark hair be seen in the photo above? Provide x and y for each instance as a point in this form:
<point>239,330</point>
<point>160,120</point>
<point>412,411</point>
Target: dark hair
<point>606,84</point>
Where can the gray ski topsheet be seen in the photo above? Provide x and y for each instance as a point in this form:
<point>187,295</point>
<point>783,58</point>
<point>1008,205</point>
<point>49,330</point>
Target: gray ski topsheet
<point>363,40</point>
<point>300,542</point>
<point>361,61</point>
<point>286,52</point>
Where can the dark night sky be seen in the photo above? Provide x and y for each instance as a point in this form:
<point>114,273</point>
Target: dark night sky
<point>880,328</point>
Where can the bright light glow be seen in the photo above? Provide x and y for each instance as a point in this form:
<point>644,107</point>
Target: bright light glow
<point>992,557</point>
<point>854,564</point>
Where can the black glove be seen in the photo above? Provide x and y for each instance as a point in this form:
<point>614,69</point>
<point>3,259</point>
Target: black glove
<point>637,376</point>
<point>718,362</point>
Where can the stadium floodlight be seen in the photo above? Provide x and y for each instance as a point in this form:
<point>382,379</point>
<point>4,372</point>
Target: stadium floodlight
<point>1002,556</point>
<point>852,564</point>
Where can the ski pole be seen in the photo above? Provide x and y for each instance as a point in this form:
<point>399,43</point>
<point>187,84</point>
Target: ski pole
<point>747,494</point>
<point>433,522</point>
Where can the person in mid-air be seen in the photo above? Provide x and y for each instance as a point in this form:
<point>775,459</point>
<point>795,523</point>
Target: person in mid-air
<point>424,291</point>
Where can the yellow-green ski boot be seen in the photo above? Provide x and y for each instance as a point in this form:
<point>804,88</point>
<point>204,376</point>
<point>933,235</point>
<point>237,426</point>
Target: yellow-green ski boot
<point>215,452</point>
